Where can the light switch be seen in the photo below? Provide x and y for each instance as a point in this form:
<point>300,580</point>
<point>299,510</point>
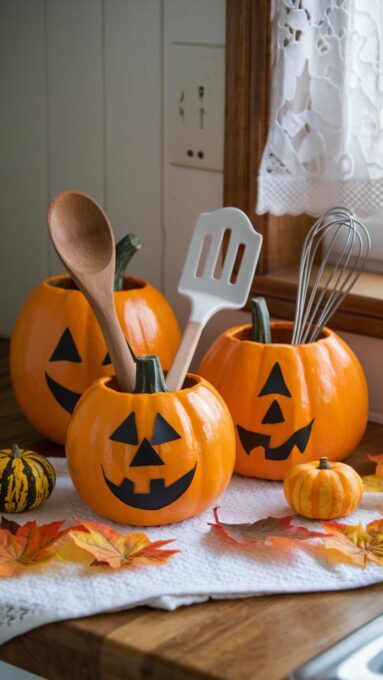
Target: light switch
<point>197,104</point>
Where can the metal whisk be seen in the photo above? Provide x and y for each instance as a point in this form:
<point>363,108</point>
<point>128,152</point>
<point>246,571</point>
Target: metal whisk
<point>342,261</point>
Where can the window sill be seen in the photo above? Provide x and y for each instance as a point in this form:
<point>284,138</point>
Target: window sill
<point>361,312</point>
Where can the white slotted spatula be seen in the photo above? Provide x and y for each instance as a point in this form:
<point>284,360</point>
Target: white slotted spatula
<point>208,291</point>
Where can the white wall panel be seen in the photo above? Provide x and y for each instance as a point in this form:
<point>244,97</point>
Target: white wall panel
<point>133,86</point>
<point>23,154</point>
<point>75,93</point>
<point>199,21</point>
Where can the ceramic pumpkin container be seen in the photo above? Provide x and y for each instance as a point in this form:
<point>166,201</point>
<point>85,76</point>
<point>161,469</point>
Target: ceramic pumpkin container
<point>57,349</point>
<point>290,404</point>
<point>150,457</point>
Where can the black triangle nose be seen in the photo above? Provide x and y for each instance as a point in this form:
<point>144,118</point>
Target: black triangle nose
<point>274,415</point>
<point>146,455</point>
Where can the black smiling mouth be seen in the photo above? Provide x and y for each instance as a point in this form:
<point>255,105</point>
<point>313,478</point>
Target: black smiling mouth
<point>158,496</point>
<point>250,440</point>
<point>66,398</point>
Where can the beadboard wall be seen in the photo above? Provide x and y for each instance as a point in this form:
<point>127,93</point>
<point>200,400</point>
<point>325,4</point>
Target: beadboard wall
<point>81,84</point>
<point>84,105</point>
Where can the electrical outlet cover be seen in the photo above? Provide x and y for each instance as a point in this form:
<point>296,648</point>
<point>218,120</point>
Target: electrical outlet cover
<point>196,107</point>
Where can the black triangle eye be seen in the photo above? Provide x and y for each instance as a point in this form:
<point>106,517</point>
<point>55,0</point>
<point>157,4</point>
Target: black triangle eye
<point>66,349</point>
<point>163,432</point>
<point>275,383</point>
<point>127,431</point>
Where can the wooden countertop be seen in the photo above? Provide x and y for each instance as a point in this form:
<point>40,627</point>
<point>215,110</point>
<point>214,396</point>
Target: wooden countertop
<point>262,638</point>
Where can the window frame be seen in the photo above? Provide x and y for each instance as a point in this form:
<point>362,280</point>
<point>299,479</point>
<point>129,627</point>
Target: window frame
<point>248,31</point>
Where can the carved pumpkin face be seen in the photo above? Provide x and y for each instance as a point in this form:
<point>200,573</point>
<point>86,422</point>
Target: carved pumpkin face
<point>66,350</point>
<point>158,495</point>
<point>149,459</point>
<point>57,349</point>
<point>275,385</point>
<point>290,404</point>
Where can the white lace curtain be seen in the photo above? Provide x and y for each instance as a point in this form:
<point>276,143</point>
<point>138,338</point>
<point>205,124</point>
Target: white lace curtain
<point>325,142</point>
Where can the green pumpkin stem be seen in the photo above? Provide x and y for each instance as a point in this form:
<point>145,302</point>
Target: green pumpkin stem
<point>324,464</point>
<point>15,451</point>
<point>260,321</point>
<point>125,250</point>
<point>149,375</point>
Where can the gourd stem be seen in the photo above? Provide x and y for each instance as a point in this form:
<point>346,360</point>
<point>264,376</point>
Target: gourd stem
<point>149,375</point>
<point>260,321</point>
<point>15,451</point>
<point>125,250</point>
<point>324,464</point>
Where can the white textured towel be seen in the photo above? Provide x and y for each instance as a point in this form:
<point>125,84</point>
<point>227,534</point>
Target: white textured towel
<point>207,567</point>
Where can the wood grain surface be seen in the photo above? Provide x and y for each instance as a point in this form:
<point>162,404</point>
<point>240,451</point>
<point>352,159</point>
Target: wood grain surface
<point>262,638</point>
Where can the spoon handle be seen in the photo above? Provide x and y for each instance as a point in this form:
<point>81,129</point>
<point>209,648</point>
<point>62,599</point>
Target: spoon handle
<point>120,355</point>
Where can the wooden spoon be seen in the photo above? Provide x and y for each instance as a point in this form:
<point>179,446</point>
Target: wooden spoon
<point>84,241</point>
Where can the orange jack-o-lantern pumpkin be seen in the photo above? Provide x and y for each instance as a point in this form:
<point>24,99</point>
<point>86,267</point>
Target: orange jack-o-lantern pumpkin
<point>150,457</point>
<point>58,351</point>
<point>290,403</point>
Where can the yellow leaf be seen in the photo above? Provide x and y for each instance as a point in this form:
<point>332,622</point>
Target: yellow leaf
<point>355,544</point>
<point>372,483</point>
<point>112,548</point>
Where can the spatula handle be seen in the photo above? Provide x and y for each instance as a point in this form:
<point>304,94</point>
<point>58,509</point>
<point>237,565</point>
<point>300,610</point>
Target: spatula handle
<point>181,363</point>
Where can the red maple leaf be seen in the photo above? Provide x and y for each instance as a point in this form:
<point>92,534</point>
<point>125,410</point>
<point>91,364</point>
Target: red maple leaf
<point>264,531</point>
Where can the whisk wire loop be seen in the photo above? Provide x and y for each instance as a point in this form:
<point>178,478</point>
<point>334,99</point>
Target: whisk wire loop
<point>347,245</point>
<point>336,272</point>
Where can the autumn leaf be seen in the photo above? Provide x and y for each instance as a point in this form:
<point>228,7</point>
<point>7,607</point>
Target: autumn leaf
<point>112,548</point>
<point>26,545</point>
<point>9,525</point>
<point>377,458</point>
<point>354,543</point>
<point>372,484</point>
<point>264,531</point>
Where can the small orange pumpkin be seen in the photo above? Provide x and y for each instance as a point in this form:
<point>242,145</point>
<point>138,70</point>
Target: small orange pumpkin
<point>150,457</point>
<point>57,349</point>
<point>289,403</point>
<point>318,490</point>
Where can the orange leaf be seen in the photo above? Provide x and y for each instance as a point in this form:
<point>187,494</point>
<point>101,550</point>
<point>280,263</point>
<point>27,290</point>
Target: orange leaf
<point>263,531</point>
<point>26,545</point>
<point>354,543</point>
<point>112,548</point>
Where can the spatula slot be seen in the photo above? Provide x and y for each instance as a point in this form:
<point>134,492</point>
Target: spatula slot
<point>201,263</point>
<point>222,253</point>
<point>237,263</point>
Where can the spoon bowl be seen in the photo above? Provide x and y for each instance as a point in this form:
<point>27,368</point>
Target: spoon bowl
<point>81,232</point>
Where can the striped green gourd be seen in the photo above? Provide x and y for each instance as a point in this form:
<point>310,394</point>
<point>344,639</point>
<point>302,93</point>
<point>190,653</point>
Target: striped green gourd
<point>26,479</point>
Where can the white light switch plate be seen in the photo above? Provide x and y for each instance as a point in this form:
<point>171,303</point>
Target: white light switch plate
<point>197,104</point>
